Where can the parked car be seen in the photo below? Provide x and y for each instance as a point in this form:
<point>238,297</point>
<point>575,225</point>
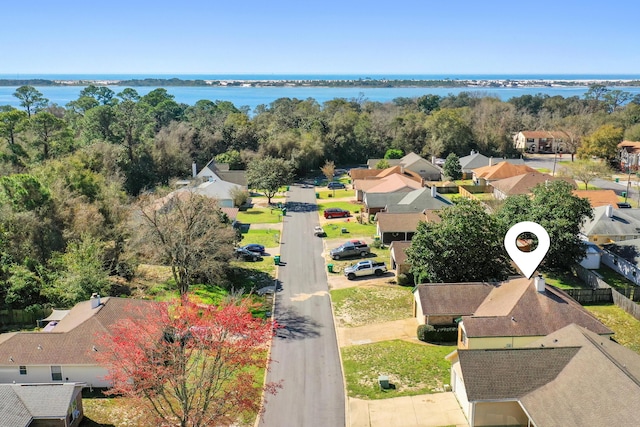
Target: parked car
<point>247,255</point>
<point>350,249</point>
<point>254,247</point>
<point>365,268</point>
<point>336,213</point>
<point>334,185</point>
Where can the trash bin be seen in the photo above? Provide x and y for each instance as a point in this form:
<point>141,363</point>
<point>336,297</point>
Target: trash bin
<point>383,380</point>
<point>617,179</point>
<point>317,195</point>
<point>624,194</point>
<point>276,259</point>
<point>330,268</point>
<point>284,211</point>
<point>287,188</point>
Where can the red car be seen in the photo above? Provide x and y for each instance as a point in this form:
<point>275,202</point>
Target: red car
<point>336,213</point>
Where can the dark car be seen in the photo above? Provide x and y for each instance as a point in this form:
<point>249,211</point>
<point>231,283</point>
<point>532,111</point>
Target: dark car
<point>254,247</point>
<point>334,185</point>
<point>336,213</point>
<point>247,255</point>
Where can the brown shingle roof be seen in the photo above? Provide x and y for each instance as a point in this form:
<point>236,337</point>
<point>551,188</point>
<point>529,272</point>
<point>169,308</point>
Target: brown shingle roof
<point>361,173</point>
<point>398,248</point>
<point>598,197</point>
<point>401,171</point>
<point>523,184</point>
<point>502,170</point>
<point>497,374</point>
<point>517,309</point>
<point>399,222</point>
<point>452,298</point>
<point>71,341</point>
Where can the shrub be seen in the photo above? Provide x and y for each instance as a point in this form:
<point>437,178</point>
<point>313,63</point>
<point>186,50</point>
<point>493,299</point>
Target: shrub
<point>430,333</point>
<point>403,279</point>
<point>377,243</point>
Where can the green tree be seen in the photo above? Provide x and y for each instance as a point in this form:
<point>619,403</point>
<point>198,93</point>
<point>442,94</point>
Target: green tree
<point>465,246</point>
<point>382,164</point>
<point>52,134</point>
<point>187,232</point>
<point>328,169</point>
<point>10,124</point>
<point>268,175</point>
<point>231,158</point>
<point>588,170</point>
<point>452,167</point>
<point>602,143</point>
<point>555,208</point>
<point>31,99</point>
<point>393,153</point>
<point>449,130</point>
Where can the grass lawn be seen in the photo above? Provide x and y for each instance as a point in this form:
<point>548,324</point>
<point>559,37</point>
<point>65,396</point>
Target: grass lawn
<point>364,305</point>
<point>112,412</point>
<point>259,216</point>
<point>338,193</point>
<point>625,326</point>
<point>349,206</point>
<point>334,227</point>
<point>614,279</point>
<point>413,368</point>
<point>269,238</point>
<point>565,280</point>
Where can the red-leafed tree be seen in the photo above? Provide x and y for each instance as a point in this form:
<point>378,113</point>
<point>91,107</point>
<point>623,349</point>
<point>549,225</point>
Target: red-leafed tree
<point>190,364</point>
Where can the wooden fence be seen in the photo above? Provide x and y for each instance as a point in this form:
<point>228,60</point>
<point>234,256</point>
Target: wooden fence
<point>21,319</point>
<point>591,296</point>
<point>624,300</point>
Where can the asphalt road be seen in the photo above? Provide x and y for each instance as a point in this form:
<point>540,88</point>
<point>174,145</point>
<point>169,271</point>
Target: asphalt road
<point>305,350</point>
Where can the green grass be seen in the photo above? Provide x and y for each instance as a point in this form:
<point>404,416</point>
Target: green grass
<point>349,206</point>
<point>625,326</point>
<point>269,238</point>
<point>259,216</point>
<point>364,305</point>
<point>339,193</point>
<point>614,279</point>
<point>377,254</point>
<point>564,280</point>
<point>413,368</point>
<point>354,229</point>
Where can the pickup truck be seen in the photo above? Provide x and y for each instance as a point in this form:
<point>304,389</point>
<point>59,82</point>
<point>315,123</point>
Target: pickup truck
<point>350,249</point>
<point>365,268</point>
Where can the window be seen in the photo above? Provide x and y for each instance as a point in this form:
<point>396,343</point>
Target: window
<point>23,370</point>
<point>56,373</point>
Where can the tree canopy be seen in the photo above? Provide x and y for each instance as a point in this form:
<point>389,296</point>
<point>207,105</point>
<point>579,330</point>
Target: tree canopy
<point>268,175</point>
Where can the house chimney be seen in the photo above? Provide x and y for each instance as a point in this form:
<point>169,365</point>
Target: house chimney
<point>434,191</point>
<point>194,169</point>
<point>402,170</point>
<point>491,161</point>
<point>473,152</point>
<point>95,300</point>
<point>433,160</point>
<point>539,283</point>
<point>608,211</point>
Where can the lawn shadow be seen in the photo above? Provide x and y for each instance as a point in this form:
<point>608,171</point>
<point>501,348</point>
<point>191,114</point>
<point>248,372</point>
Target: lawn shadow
<point>88,422</point>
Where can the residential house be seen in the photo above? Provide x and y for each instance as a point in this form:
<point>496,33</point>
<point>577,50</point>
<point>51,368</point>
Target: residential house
<point>64,353</point>
<point>572,378</point>
<point>220,171</point>
<point>41,405</point>
<point>610,225</point>
<point>592,257</point>
<point>502,170</point>
<point>476,160</point>
<point>598,198</point>
<point>444,303</point>
<point>413,162</point>
<point>398,257</point>
<point>418,201</point>
<point>541,141</point>
<point>362,185</point>
<point>401,226</point>
<point>396,184</point>
<point>629,155</point>
<point>623,257</point>
<point>523,184</point>
<point>520,311</point>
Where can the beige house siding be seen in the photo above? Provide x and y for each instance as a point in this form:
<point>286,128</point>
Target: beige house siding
<point>497,342</point>
<point>499,414</point>
<point>92,375</point>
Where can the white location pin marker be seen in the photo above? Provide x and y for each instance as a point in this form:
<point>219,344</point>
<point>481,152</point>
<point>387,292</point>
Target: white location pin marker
<point>527,262</point>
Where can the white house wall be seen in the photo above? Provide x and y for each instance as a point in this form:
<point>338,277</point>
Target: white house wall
<point>93,376</point>
<point>622,266</point>
<point>457,383</point>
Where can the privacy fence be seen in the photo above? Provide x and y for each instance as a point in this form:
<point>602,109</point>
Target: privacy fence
<point>624,298</point>
<point>11,319</point>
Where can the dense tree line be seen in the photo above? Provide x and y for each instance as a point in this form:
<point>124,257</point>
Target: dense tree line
<point>70,174</point>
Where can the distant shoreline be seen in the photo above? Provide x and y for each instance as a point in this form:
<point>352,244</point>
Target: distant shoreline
<point>355,83</point>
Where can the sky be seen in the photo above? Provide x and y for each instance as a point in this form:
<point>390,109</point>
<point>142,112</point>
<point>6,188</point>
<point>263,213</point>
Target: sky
<point>319,37</point>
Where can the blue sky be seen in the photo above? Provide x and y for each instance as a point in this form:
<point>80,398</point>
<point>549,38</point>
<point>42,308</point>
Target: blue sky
<point>322,37</point>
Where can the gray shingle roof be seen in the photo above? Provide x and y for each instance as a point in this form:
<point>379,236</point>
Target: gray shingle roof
<point>417,201</point>
<point>380,200</point>
<point>452,298</point>
<point>624,222</point>
<point>47,400</point>
<point>496,374</point>
<point>13,413</point>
